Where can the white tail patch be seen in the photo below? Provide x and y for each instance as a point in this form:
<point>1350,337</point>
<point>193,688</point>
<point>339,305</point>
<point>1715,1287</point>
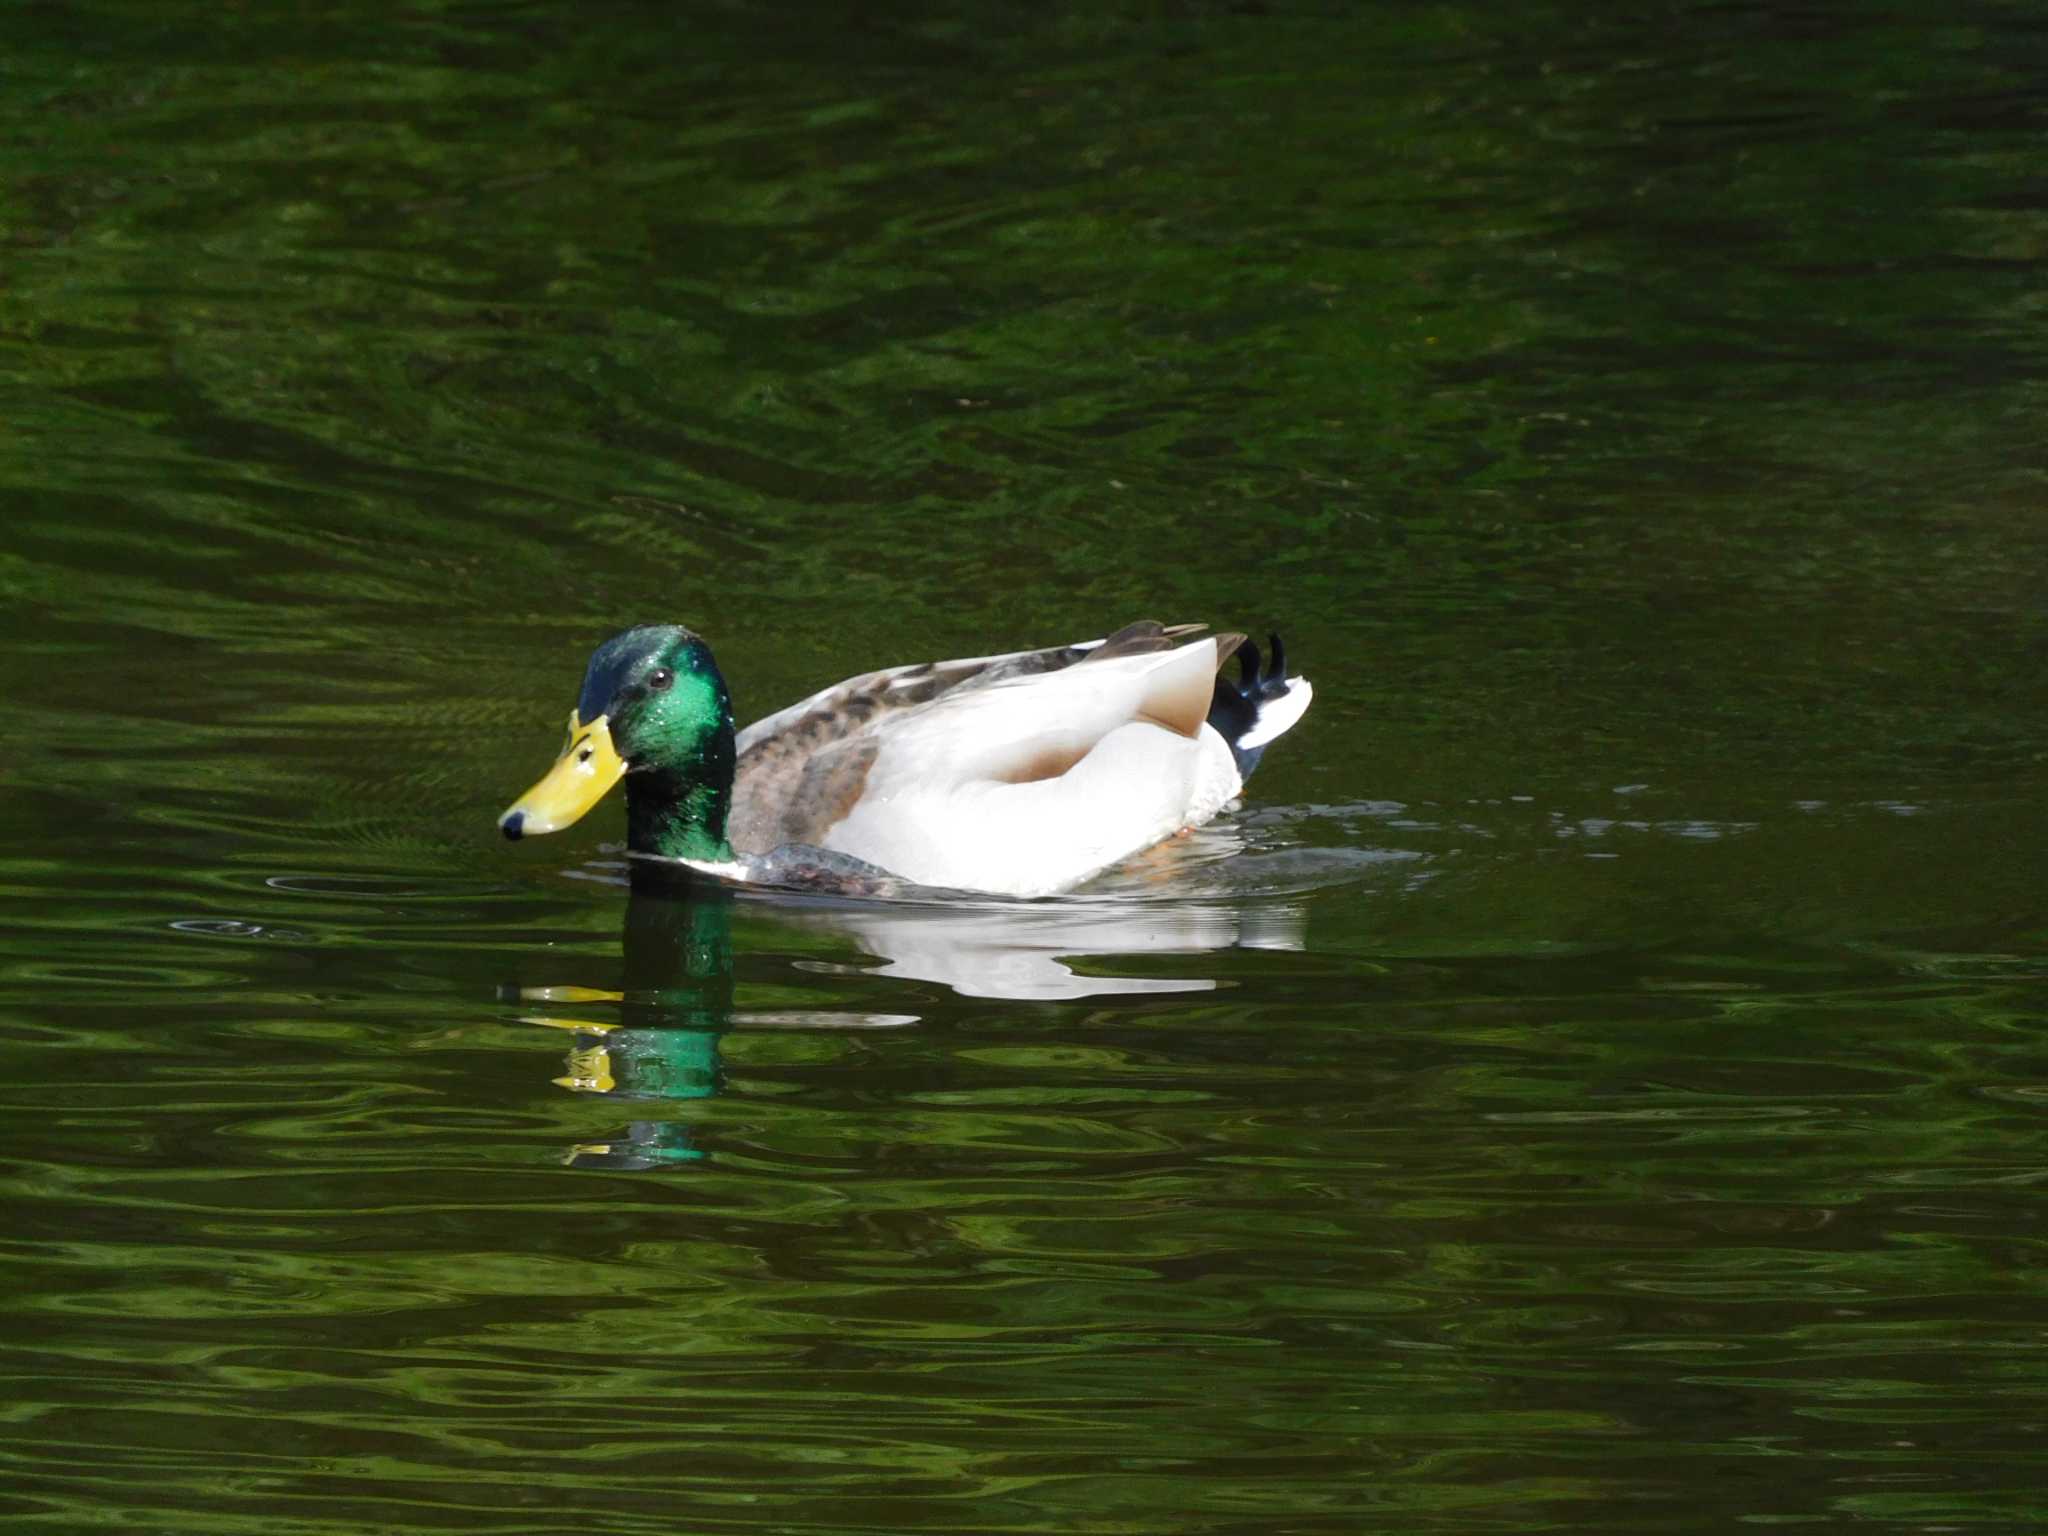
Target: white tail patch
<point>1277,715</point>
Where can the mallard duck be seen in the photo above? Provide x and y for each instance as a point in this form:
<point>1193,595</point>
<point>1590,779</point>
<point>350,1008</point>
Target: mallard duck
<point>1015,775</point>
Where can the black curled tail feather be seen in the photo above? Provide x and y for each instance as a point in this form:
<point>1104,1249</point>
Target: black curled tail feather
<point>1234,707</point>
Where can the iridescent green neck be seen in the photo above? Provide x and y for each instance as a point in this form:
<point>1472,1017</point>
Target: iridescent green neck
<point>678,810</point>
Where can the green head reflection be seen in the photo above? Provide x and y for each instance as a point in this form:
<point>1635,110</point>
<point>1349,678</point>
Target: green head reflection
<point>655,1039</point>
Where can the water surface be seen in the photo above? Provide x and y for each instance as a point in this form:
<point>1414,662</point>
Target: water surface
<point>1597,1080</point>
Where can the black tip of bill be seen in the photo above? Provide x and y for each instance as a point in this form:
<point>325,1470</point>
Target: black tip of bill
<point>513,826</point>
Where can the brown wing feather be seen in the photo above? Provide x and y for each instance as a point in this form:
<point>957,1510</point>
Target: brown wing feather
<point>1142,637</point>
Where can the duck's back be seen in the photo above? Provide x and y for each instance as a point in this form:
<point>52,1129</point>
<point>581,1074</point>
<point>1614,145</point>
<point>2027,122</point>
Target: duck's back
<point>1021,774</point>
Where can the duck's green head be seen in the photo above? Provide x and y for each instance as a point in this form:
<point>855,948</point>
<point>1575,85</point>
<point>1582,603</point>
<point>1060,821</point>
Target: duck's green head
<point>653,711</point>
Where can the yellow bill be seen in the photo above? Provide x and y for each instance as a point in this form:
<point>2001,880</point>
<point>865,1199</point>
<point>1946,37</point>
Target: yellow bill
<point>588,767</point>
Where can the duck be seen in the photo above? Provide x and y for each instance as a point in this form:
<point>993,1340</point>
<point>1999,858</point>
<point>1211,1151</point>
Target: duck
<point>1020,775</point>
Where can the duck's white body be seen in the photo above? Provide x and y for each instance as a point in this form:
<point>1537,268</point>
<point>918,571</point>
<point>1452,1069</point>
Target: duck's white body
<point>1020,775</point>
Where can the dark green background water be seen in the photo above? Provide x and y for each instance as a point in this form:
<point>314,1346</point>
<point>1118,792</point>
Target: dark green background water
<point>1599,1083</point>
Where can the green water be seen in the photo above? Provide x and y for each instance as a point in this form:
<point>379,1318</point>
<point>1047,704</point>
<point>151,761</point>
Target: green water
<point>1599,1081</point>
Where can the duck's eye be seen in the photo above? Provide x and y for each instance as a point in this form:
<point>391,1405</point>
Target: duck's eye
<point>660,678</point>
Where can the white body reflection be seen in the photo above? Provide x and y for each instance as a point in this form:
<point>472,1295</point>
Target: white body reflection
<point>1196,893</point>
<point>1023,951</point>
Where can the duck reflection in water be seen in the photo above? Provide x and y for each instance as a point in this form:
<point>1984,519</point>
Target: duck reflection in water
<point>661,1042</point>
<point>656,1039</point>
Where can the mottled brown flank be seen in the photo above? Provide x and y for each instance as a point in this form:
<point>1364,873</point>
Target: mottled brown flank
<point>832,783</point>
<point>800,782</point>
